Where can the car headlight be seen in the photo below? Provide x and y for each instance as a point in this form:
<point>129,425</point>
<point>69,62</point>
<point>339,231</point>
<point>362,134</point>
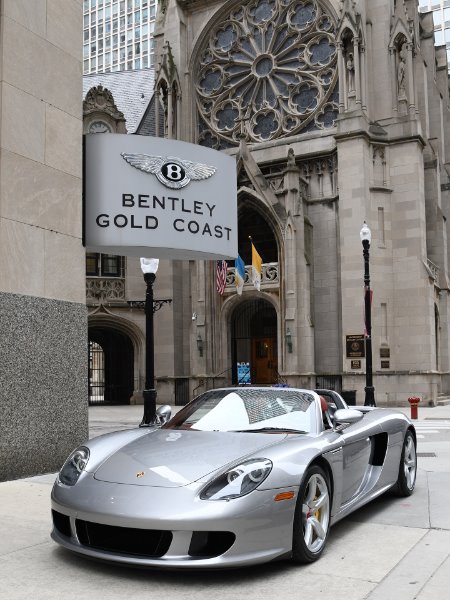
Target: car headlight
<point>238,481</point>
<point>74,466</point>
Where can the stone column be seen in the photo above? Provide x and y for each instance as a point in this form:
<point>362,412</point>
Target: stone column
<point>357,69</point>
<point>364,94</point>
<point>157,112</point>
<point>410,71</point>
<point>342,79</point>
<point>178,124</point>
<point>394,79</point>
<point>169,114</point>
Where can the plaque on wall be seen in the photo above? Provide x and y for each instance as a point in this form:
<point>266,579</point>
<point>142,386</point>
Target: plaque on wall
<point>385,352</point>
<point>355,364</point>
<point>355,346</point>
<point>385,364</point>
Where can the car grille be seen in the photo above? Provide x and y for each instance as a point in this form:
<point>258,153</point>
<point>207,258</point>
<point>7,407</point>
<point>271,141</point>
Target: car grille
<point>151,543</point>
<point>124,540</point>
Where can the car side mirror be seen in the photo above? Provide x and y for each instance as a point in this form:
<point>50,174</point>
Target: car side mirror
<point>163,414</point>
<point>346,416</point>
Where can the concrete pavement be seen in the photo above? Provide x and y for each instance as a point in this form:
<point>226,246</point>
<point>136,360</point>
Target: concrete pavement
<point>393,549</point>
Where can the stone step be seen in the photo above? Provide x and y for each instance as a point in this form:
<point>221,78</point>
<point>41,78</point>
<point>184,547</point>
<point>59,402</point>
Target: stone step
<point>443,401</point>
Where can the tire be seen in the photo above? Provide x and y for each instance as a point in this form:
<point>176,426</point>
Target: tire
<point>408,467</point>
<point>311,528</point>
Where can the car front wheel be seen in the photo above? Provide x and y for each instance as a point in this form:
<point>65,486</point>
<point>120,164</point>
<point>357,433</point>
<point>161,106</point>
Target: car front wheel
<point>408,467</point>
<point>312,516</point>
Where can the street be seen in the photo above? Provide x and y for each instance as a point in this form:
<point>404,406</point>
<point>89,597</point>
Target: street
<point>391,549</point>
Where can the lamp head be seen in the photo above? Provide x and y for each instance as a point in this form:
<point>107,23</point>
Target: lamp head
<point>149,265</point>
<point>365,233</point>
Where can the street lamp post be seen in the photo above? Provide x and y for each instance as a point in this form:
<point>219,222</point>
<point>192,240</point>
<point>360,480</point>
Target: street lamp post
<point>366,237</point>
<point>149,267</point>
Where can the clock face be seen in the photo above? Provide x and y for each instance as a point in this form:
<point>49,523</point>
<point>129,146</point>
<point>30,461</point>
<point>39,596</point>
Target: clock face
<point>99,127</point>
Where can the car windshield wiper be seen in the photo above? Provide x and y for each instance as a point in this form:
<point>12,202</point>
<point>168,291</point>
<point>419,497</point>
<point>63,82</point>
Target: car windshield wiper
<point>262,429</point>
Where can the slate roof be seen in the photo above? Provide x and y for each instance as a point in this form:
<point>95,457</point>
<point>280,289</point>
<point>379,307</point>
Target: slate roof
<point>132,92</point>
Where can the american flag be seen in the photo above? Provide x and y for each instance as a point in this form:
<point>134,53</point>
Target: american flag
<point>221,276</point>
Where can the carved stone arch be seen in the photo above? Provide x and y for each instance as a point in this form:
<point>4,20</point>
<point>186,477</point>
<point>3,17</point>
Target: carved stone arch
<point>379,164</point>
<point>246,198</point>
<point>245,163</point>
<point>168,94</point>
<point>123,325</point>
<point>398,33</point>
<point>351,60</point>
<point>289,229</point>
<point>232,302</point>
<point>112,324</point>
<point>401,24</point>
<point>100,111</point>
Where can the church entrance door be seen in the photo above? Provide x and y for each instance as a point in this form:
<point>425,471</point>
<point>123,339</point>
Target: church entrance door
<point>254,343</point>
<point>110,366</point>
<point>264,360</point>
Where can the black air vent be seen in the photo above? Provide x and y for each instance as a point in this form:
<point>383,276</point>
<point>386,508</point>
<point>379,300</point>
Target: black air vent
<point>61,523</point>
<point>124,540</point>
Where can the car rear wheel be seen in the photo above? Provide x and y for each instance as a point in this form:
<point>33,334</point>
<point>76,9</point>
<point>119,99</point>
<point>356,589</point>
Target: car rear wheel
<point>408,467</point>
<point>312,516</point>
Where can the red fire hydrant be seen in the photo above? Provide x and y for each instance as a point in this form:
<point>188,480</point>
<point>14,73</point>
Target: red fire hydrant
<point>414,403</point>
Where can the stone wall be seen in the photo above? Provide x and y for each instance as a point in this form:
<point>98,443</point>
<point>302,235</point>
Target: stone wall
<point>43,344</point>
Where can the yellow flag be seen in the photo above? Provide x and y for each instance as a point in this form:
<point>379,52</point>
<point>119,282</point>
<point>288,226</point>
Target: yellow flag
<point>256,268</point>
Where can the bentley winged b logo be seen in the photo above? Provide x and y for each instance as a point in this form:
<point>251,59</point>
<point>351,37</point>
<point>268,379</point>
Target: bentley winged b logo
<point>171,171</point>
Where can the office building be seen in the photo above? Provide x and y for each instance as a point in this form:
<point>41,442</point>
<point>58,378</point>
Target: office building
<point>441,20</point>
<point>118,35</point>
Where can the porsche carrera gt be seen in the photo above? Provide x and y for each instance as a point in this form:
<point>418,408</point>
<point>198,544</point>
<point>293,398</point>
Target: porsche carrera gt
<point>238,476</point>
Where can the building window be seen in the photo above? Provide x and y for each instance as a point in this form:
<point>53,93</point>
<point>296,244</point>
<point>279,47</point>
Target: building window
<point>104,265</point>
<point>285,82</point>
<point>437,17</point>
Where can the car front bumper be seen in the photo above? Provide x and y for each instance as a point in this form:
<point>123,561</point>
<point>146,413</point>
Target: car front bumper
<point>243,531</point>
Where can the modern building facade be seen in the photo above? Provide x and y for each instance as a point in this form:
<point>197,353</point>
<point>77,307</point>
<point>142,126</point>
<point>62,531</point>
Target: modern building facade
<point>337,113</point>
<point>43,317</point>
<point>441,20</point>
<point>118,35</point>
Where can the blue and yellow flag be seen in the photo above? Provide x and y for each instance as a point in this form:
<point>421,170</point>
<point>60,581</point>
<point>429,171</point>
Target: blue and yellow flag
<point>239,274</point>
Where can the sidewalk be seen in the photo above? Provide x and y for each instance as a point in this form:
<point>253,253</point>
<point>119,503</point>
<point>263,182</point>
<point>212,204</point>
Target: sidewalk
<point>393,549</point>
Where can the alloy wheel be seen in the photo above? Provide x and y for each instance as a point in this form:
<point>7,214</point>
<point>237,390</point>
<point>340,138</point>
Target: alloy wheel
<point>316,513</point>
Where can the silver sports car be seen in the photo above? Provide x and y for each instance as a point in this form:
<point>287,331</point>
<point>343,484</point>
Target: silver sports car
<point>238,476</point>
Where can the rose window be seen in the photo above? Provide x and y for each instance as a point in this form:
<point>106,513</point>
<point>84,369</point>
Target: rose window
<point>267,71</point>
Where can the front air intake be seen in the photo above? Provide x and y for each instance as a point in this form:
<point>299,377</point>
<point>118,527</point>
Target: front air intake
<point>151,543</point>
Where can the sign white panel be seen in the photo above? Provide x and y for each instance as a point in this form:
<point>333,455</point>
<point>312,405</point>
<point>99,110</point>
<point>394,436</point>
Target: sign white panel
<point>147,196</point>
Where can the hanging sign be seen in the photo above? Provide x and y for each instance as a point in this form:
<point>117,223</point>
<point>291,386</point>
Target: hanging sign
<point>146,196</point>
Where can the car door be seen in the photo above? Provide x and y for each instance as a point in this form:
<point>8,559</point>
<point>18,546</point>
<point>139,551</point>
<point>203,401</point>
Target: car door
<point>357,443</point>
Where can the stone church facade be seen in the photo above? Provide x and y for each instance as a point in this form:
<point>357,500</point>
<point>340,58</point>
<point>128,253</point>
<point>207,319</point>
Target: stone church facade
<point>337,113</point>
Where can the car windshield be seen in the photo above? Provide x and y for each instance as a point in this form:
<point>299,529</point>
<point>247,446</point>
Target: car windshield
<point>249,410</point>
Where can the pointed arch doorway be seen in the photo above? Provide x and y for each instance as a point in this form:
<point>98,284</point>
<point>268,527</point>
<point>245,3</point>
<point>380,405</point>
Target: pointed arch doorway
<point>254,343</point>
<point>110,366</point>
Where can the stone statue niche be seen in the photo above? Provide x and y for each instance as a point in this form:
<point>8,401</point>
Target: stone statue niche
<point>350,73</point>
<point>401,78</point>
<point>350,70</point>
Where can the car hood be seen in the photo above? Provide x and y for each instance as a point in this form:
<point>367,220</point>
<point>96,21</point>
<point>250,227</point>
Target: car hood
<point>171,458</point>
